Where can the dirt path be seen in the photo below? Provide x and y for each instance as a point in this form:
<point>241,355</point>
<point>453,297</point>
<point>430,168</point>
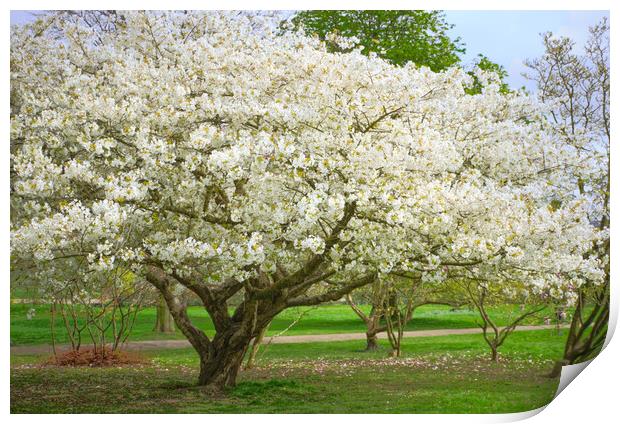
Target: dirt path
<point>177,344</point>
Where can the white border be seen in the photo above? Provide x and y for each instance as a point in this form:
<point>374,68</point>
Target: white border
<point>592,398</point>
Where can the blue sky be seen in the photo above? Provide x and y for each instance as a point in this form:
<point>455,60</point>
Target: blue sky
<point>509,37</point>
<point>506,37</point>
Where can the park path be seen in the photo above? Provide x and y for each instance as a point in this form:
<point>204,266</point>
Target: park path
<point>178,344</point>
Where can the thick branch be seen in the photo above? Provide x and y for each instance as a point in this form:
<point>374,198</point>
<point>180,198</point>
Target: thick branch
<point>331,295</point>
<point>356,309</point>
<point>163,283</point>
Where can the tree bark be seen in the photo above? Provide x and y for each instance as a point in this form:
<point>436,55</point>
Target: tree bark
<point>557,368</point>
<point>220,365</point>
<point>372,342</point>
<point>371,321</point>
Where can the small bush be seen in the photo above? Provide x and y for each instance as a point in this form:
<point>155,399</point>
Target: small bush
<point>95,358</point>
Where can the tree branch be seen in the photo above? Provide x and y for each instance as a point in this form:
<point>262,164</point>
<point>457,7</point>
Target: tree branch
<point>331,295</point>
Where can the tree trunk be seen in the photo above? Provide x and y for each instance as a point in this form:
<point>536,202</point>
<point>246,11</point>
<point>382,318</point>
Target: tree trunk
<point>494,356</point>
<point>164,322</point>
<point>220,365</point>
<point>581,344</point>
<point>372,342</point>
<point>557,369</point>
<point>222,356</point>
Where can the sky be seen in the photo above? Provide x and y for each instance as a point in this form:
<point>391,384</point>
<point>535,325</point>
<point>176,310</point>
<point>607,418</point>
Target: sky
<point>509,37</point>
<point>506,37</point>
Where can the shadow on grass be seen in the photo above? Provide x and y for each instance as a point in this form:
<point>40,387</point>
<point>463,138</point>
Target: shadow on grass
<point>272,387</point>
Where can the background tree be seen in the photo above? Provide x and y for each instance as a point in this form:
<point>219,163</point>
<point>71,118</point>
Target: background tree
<point>399,293</point>
<point>97,311</point>
<point>371,295</point>
<point>483,294</point>
<point>399,36</point>
<point>576,86</point>
<point>164,323</point>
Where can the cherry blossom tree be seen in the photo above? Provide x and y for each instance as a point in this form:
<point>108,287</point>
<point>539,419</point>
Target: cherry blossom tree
<point>206,154</point>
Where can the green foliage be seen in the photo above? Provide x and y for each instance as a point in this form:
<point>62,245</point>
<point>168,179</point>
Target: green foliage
<point>399,36</point>
<point>485,64</point>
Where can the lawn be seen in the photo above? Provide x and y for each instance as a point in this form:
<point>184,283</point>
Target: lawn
<point>436,375</point>
<point>325,319</point>
<point>449,374</point>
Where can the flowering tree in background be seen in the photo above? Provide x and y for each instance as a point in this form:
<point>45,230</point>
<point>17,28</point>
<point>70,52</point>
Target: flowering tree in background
<point>206,154</point>
<point>577,88</point>
<point>482,294</point>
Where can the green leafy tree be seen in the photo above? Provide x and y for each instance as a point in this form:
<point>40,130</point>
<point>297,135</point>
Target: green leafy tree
<point>485,64</point>
<point>399,36</point>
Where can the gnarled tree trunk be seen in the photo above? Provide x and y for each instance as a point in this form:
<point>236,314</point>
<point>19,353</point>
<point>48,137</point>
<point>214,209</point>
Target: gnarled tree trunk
<point>220,364</point>
<point>264,296</point>
<point>588,330</point>
<point>221,357</point>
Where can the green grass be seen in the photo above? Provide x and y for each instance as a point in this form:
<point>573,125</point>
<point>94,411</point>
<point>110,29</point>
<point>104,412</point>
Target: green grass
<point>436,375</point>
<point>539,345</point>
<point>325,319</point>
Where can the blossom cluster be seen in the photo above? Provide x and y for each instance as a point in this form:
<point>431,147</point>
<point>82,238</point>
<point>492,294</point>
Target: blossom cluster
<point>210,144</point>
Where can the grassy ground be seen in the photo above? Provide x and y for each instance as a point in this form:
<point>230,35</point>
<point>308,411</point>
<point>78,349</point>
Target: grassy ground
<point>325,319</point>
<point>437,375</point>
